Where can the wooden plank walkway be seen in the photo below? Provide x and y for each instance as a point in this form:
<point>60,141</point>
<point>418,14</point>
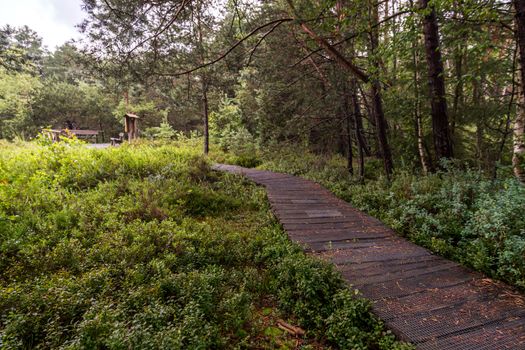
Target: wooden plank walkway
<point>424,299</point>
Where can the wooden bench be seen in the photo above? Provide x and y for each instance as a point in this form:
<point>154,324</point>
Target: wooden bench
<point>117,140</point>
<point>55,134</point>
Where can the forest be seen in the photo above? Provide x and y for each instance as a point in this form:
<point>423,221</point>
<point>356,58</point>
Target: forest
<point>407,83</point>
<point>411,111</point>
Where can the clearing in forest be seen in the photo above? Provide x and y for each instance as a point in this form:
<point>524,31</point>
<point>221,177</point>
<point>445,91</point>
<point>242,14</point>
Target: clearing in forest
<point>145,247</point>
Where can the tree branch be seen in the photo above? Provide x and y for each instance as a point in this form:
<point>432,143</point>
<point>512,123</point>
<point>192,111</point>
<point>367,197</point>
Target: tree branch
<point>336,55</point>
<point>252,51</point>
<point>227,52</point>
<point>353,36</point>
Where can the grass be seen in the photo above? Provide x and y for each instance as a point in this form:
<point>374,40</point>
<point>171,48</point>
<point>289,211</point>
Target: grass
<point>144,246</point>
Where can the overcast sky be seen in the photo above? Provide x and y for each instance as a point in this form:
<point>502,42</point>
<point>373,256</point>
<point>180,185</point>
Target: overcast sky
<point>53,20</point>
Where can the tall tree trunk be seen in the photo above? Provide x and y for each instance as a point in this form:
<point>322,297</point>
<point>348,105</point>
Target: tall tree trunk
<point>458,89</point>
<point>440,126</point>
<point>518,157</point>
<point>345,116</point>
<point>459,59</point>
<point>381,126</point>
<point>345,95</point>
<point>426,165</point>
<point>358,126</point>
<point>375,90</point>
<point>508,121</point>
<point>359,121</point>
<point>395,29</point>
<point>205,115</point>
<point>477,101</point>
<point>349,155</point>
<point>204,82</point>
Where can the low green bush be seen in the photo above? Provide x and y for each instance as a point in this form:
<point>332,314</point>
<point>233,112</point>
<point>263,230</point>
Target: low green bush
<point>144,246</point>
<point>247,161</point>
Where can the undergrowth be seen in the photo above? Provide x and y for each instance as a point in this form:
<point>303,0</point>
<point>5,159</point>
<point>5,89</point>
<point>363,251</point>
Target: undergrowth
<point>145,247</point>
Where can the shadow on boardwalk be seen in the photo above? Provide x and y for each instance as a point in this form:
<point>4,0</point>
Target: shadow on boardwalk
<point>425,299</point>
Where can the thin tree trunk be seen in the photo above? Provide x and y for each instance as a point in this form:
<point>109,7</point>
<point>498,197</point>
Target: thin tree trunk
<point>459,58</point>
<point>508,119</point>
<point>480,145</point>
<point>440,126</point>
<point>458,89</point>
<point>477,100</point>
<point>345,117</point>
<point>205,115</point>
<point>346,98</point>
<point>425,163</point>
<point>395,28</point>
<point>518,156</point>
<point>350,160</point>
<point>358,125</point>
<point>375,91</point>
<point>204,82</point>
<point>381,126</point>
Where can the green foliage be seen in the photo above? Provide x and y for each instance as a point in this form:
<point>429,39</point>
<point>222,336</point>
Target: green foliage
<point>163,132</point>
<point>306,288</point>
<point>227,130</point>
<point>17,91</point>
<point>494,237</point>
<point>247,160</point>
<point>20,49</point>
<point>147,110</point>
<point>143,246</point>
<point>349,317</point>
<point>83,106</point>
<point>231,136</point>
<point>57,97</point>
<point>456,213</point>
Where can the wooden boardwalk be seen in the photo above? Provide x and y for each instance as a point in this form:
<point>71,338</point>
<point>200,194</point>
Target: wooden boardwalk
<point>423,298</point>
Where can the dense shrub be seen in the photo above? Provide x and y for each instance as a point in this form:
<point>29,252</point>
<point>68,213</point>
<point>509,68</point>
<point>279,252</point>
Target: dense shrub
<point>146,247</point>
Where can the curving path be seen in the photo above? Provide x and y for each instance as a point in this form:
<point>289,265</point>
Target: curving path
<point>423,298</point>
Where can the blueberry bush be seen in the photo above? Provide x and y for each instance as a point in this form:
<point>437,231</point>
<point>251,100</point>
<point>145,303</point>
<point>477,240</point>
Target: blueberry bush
<point>144,246</point>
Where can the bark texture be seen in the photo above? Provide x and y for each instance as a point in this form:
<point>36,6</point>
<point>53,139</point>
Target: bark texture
<point>358,126</point>
<point>205,113</point>
<point>518,156</point>
<point>440,125</point>
<point>375,91</point>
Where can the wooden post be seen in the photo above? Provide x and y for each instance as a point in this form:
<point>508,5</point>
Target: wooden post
<point>131,125</point>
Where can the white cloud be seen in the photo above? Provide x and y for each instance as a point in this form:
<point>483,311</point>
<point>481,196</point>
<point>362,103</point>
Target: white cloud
<point>53,20</point>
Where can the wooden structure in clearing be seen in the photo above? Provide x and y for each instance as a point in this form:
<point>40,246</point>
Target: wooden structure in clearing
<point>55,134</point>
<point>131,125</point>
